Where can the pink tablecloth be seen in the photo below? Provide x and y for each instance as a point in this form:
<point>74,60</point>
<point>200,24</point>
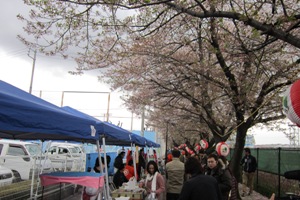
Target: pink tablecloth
<point>88,179</point>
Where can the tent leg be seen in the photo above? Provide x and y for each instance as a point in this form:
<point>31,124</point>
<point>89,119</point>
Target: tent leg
<point>101,167</point>
<point>134,160</point>
<point>106,173</point>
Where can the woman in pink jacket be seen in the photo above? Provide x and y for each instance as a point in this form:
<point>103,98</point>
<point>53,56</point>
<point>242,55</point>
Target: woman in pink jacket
<point>154,182</point>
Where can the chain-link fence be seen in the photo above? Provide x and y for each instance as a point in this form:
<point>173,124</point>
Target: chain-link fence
<point>272,164</point>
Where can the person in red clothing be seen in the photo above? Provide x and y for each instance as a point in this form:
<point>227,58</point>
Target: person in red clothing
<point>129,170</point>
<point>155,156</point>
<point>169,157</point>
<point>128,156</point>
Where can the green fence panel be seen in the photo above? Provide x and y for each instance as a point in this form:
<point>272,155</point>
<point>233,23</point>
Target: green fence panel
<point>272,164</point>
<point>267,160</point>
<point>290,160</point>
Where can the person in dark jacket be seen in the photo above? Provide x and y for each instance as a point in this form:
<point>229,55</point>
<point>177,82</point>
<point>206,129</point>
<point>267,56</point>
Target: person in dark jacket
<point>97,164</point>
<point>119,160</point>
<point>141,163</point>
<point>199,186</point>
<point>218,169</point>
<point>249,167</point>
<point>119,177</point>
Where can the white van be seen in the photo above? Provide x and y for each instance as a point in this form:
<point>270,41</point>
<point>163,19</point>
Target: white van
<point>21,156</point>
<point>6,176</point>
<point>66,156</point>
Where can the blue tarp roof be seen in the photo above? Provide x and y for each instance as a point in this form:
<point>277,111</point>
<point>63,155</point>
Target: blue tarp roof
<point>150,137</point>
<point>25,116</point>
<point>114,134</point>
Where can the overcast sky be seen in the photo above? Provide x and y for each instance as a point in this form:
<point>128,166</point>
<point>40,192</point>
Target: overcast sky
<point>51,77</point>
<point>51,73</point>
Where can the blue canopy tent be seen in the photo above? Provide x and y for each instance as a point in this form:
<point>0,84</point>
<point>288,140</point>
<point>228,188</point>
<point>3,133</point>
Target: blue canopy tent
<point>144,141</point>
<point>113,134</point>
<point>25,116</point>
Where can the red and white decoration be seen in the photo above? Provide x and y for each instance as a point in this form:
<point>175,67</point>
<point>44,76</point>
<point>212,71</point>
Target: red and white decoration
<point>222,149</point>
<point>204,144</point>
<point>291,103</point>
<point>189,151</point>
<point>197,148</point>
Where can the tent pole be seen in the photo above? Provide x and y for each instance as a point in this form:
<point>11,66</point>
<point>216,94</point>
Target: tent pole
<point>32,178</point>
<point>147,150</point>
<point>46,158</point>
<point>134,160</point>
<point>100,164</point>
<point>106,172</point>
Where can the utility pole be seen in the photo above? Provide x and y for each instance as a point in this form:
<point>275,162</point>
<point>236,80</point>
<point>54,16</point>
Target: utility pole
<point>131,127</point>
<point>108,104</point>
<point>167,135</point>
<point>33,67</point>
<point>143,121</point>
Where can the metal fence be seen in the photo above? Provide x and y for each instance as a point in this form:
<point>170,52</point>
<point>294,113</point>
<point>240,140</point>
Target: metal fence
<point>272,164</point>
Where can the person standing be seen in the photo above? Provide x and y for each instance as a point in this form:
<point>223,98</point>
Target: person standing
<point>154,182</point>
<point>141,163</point>
<point>199,186</point>
<point>175,176</point>
<point>119,160</point>
<point>128,156</point>
<point>218,169</point>
<point>249,167</point>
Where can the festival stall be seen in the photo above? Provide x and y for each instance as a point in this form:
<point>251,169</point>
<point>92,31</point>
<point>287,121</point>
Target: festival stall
<point>25,116</point>
<point>114,135</point>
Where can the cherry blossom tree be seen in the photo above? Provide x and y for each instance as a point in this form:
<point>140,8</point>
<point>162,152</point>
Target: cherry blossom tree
<point>216,79</point>
<point>203,69</point>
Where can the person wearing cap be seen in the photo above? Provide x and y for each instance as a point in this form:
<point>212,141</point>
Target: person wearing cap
<point>119,160</point>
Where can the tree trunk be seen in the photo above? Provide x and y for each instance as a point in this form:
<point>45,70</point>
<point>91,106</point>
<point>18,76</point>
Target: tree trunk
<point>238,151</point>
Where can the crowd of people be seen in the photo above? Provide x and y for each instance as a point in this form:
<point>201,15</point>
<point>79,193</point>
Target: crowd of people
<point>187,177</point>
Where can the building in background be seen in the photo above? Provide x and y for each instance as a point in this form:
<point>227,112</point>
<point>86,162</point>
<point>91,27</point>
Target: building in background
<point>250,141</point>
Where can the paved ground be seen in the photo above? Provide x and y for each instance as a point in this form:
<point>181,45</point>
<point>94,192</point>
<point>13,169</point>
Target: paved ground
<point>253,196</point>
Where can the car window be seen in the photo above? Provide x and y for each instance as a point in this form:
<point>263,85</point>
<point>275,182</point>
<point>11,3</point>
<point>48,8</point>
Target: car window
<point>62,150</point>
<point>16,151</point>
<point>52,150</point>
<point>33,149</point>
<point>73,150</point>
